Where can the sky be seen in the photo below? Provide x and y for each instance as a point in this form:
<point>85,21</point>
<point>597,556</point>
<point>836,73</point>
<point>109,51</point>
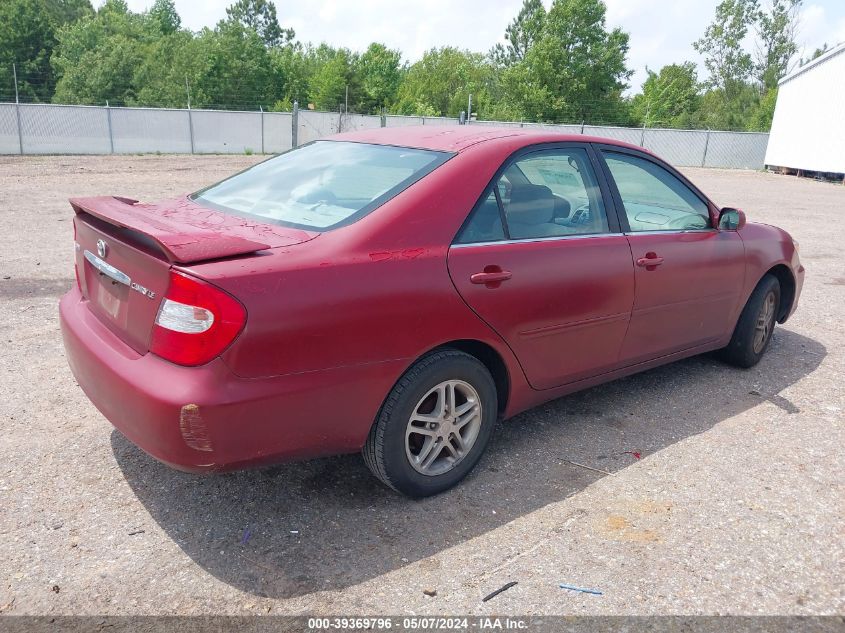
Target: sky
<point>662,31</point>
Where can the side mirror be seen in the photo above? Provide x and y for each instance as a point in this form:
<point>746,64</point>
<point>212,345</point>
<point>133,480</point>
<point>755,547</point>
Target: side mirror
<point>731,219</point>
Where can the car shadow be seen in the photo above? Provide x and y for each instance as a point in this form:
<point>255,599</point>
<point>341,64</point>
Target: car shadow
<point>327,524</point>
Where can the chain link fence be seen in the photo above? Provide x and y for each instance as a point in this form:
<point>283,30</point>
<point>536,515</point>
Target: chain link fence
<point>62,129</point>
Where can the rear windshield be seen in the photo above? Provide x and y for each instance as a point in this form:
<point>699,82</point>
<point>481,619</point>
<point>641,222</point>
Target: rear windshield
<point>322,185</point>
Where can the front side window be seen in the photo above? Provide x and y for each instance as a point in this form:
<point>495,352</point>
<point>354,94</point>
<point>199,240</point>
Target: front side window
<point>549,193</point>
<point>654,199</point>
<point>321,185</point>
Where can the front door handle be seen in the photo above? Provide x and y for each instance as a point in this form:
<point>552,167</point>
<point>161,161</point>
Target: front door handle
<point>492,276</point>
<point>650,261</point>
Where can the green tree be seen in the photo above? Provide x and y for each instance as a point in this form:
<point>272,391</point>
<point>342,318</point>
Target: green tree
<point>293,67</point>
<point>239,73</point>
<point>521,34</point>
<point>728,63</point>
<point>762,115</point>
<point>67,11</point>
<point>26,40</point>
<point>334,75</point>
<point>96,56</point>
<point>170,62</point>
<point>776,30</point>
<point>260,16</point>
<point>379,73</point>
<point>575,71</point>
<point>669,98</point>
<point>441,82</point>
<point>816,54</point>
<point>731,98</point>
<point>165,17</point>
<point>720,112</point>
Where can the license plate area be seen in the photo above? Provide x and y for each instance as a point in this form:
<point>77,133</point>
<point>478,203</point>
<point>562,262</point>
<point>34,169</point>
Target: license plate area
<point>111,296</point>
<point>108,289</point>
<point>123,286</point>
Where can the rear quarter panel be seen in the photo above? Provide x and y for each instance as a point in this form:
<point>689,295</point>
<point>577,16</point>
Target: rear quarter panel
<point>372,292</point>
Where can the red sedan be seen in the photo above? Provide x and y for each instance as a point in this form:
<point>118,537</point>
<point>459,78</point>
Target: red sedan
<point>398,291</point>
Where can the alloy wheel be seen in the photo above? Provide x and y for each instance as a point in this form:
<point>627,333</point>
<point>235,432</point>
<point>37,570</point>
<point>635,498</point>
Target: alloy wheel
<point>443,427</point>
<point>765,323</point>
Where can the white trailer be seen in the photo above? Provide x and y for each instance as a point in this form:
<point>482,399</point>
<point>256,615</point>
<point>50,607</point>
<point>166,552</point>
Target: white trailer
<point>808,129</point>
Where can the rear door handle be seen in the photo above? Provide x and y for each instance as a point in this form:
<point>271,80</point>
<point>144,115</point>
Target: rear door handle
<point>491,277</point>
<point>650,261</point>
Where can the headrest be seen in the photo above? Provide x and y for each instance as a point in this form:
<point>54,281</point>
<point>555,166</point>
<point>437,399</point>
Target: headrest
<point>531,204</point>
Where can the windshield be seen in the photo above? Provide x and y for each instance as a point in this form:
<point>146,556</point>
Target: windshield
<point>322,185</point>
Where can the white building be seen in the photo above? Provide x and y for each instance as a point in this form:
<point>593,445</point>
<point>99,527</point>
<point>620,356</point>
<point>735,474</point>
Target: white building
<point>808,129</point>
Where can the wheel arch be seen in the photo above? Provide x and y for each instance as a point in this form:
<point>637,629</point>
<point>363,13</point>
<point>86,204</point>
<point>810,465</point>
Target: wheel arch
<point>491,359</point>
<point>783,274</point>
<point>485,353</point>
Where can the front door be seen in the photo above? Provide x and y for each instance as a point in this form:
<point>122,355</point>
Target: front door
<point>544,264</point>
<point>689,275</point>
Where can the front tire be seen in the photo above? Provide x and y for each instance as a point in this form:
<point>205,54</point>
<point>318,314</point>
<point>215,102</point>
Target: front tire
<point>756,324</point>
<point>434,425</point>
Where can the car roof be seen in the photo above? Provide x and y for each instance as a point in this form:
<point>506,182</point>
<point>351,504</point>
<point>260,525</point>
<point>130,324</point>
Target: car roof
<point>456,138</point>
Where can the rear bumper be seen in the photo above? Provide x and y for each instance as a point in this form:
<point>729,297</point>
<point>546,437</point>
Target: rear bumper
<point>206,418</point>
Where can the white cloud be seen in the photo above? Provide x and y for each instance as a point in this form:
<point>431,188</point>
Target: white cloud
<point>328,11</point>
<point>819,25</point>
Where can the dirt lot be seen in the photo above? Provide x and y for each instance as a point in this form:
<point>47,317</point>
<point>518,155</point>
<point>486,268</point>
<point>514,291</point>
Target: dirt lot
<point>736,505</point>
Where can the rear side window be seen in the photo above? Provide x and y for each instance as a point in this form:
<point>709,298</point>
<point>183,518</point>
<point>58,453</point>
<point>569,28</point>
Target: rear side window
<point>548,193</point>
<point>322,185</point>
<point>654,199</point>
<point>485,224</point>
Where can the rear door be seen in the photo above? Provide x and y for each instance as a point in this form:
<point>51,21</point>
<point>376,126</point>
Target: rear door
<point>689,275</point>
<point>542,260</point>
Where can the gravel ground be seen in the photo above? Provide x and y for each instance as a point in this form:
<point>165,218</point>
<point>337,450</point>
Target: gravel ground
<point>735,507</point>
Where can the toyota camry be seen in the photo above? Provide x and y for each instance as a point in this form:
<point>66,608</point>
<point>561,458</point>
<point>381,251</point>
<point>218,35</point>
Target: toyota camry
<point>396,292</point>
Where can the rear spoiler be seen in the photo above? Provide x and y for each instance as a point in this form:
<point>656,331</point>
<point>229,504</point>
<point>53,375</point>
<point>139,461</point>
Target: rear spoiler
<point>183,237</point>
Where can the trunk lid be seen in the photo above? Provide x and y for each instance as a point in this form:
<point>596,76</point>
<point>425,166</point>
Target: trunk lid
<point>125,249</point>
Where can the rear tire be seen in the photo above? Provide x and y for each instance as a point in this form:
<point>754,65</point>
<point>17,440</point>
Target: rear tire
<point>434,425</point>
<point>756,324</point>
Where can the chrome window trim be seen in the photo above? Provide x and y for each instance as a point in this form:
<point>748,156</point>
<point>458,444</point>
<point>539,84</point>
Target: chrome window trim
<point>107,269</point>
<point>672,231</point>
<point>556,238</point>
<point>553,238</point>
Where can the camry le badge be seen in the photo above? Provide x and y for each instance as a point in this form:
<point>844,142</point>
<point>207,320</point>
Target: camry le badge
<point>102,248</point>
<point>143,290</point>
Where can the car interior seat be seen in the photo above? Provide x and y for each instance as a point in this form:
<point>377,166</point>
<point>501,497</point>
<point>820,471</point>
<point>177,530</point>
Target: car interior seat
<point>531,212</point>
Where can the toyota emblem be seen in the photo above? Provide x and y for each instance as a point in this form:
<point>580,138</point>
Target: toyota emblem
<point>102,249</point>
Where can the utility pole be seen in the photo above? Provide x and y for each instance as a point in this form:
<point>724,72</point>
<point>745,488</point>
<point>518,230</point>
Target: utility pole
<point>294,125</point>
<point>15,73</point>
<point>111,133</point>
<point>17,108</point>
<point>190,118</point>
<point>469,108</point>
<point>645,120</point>
<point>706,145</point>
<point>260,107</point>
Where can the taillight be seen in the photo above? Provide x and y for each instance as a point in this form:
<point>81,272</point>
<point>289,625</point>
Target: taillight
<point>196,321</point>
